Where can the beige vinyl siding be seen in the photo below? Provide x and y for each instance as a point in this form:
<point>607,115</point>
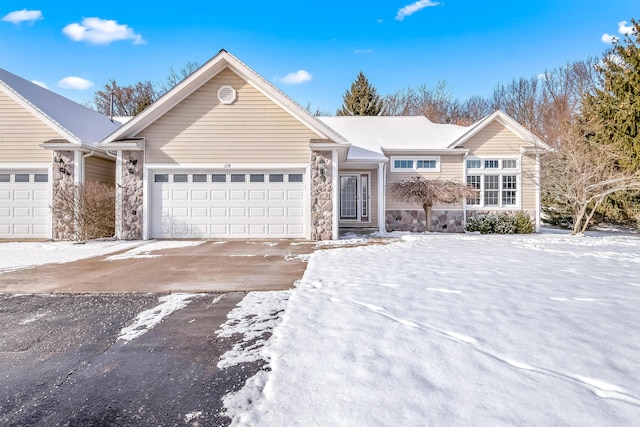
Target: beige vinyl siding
<point>451,167</point>
<point>99,170</point>
<point>373,202</point>
<point>251,130</point>
<point>21,134</point>
<point>496,140</point>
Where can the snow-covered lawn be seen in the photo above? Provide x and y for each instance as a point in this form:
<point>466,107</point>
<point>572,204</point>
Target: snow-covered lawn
<point>455,330</point>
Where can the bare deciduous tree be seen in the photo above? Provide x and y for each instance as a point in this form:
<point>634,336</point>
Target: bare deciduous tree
<point>127,100</point>
<point>427,192</point>
<point>579,175</point>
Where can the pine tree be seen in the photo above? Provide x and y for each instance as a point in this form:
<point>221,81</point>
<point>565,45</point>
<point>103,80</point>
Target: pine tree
<point>616,105</point>
<point>361,100</point>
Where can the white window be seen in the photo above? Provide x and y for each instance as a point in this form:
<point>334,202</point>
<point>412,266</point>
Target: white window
<point>494,191</point>
<point>509,164</point>
<point>403,164</point>
<point>491,164</point>
<point>418,164</point>
<point>474,164</point>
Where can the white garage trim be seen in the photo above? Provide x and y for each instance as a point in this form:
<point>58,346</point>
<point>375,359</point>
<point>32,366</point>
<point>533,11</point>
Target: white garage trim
<point>25,201</point>
<point>227,202</point>
<point>219,166</point>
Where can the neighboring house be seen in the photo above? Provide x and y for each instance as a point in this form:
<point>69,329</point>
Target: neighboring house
<point>226,154</point>
<point>45,139</point>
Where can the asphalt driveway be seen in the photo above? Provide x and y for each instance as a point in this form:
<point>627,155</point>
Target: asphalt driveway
<point>211,266</point>
<point>62,363</point>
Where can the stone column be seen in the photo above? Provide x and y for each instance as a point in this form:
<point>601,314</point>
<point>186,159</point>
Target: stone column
<point>129,215</point>
<point>321,190</point>
<point>63,209</point>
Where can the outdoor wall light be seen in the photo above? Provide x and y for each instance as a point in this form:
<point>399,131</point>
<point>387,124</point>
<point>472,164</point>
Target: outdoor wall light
<point>321,164</point>
<point>131,166</point>
<point>61,165</point>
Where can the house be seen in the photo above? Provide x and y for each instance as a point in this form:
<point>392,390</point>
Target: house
<point>226,154</point>
<point>45,139</point>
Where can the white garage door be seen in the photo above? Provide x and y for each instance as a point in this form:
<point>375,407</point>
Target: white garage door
<point>227,204</point>
<point>24,204</point>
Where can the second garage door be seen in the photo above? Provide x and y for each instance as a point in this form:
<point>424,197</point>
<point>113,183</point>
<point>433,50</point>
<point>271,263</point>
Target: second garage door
<point>24,204</point>
<point>253,204</point>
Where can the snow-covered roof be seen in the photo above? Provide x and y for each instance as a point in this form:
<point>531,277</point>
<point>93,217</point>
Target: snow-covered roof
<point>370,135</point>
<point>75,122</point>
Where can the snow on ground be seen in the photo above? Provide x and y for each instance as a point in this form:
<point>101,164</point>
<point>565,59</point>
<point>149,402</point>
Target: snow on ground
<point>21,255</point>
<point>145,251</point>
<point>148,319</point>
<point>455,330</point>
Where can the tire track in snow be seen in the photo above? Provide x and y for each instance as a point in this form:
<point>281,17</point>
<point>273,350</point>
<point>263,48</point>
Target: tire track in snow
<point>598,387</point>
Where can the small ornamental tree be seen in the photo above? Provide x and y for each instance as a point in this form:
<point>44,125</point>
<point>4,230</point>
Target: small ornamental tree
<point>361,100</point>
<point>426,192</point>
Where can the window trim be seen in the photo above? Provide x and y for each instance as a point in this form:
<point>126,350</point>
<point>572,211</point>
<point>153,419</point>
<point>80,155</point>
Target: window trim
<point>481,191</point>
<point>414,167</point>
<point>499,159</point>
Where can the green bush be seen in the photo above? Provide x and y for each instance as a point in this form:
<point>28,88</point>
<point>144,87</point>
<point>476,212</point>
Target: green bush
<point>502,223</point>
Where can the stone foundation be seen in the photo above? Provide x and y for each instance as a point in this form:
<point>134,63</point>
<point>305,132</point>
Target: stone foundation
<point>321,194</point>
<point>444,221</point>
<point>129,211</point>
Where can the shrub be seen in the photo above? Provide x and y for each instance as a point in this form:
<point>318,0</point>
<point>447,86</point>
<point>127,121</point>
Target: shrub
<point>85,211</point>
<point>501,223</point>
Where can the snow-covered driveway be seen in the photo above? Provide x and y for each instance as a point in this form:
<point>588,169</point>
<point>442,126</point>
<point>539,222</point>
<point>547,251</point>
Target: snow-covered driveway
<point>457,330</point>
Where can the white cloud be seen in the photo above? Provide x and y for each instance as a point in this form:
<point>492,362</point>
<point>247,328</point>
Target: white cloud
<point>412,8</point>
<point>625,29</point>
<point>101,31</point>
<point>363,51</point>
<point>296,78</point>
<point>23,15</point>
<point>77,83</point>
<point>41,84</point>
<point>380,21</point>
<point>608,38</point>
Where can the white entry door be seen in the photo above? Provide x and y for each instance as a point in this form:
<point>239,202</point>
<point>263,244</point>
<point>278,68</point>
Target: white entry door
<point>24,204</point>
<point>203,204</point>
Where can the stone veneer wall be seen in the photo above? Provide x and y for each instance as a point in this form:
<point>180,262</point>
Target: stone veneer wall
<point>63,189</point>
<point>321,193</point>
<point>129,213</point>
<point>444,221</point>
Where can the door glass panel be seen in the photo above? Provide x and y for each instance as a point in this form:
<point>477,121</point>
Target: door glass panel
<point>199,177</point>
<point>22,177</point>
<point>295,177</point>
<point>180,177</point>
<point>256,177</point>
<point>348,197</point>
<point>41,177</point>
<point>237,177</point>
<point>218,177</point>
<point>364,184</point>
<point>161,177</point>
<point>5,177</point>
<point>276,177</point>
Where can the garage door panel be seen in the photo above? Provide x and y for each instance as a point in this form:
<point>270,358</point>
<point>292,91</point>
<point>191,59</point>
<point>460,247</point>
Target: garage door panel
<point>199,195</point>
<point>200,212</point>
<point>295,212</point>
<point>236,212</point>
<point>227,208</point>
<point>24,205</point>
<point>218,195</point>
<point>21,195</point>
<point>238,195</point>
<point>276,194</point>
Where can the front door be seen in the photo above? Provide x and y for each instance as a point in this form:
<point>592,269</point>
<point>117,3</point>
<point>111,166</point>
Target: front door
<point>348,197</point>
<point>354,196</point>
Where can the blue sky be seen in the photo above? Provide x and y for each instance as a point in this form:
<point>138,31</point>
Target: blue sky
<point>321,45</point>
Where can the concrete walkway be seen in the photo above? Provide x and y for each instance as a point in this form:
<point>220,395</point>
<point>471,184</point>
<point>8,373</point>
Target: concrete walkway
<point>213,266</point>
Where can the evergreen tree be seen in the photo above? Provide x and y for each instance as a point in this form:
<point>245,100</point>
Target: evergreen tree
<point>361,100</point>
<point>616,104</point>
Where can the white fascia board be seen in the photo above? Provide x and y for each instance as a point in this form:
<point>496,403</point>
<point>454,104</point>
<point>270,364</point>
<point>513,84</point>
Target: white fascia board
<point>328,146</point>
<point>68,146</point>
<point>5,166</point>
<point>227,166</point>
<point>426,152</point>
<point>64,133</point>
<point>137,145</point>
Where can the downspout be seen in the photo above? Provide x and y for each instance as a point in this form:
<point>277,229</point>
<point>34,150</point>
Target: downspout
<point>464,181</point>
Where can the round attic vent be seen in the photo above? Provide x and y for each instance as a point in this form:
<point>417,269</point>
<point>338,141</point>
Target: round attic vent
<point>226,94</point>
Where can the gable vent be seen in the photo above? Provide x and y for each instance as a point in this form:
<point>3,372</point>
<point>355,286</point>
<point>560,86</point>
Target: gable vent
<point>226,94</point>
